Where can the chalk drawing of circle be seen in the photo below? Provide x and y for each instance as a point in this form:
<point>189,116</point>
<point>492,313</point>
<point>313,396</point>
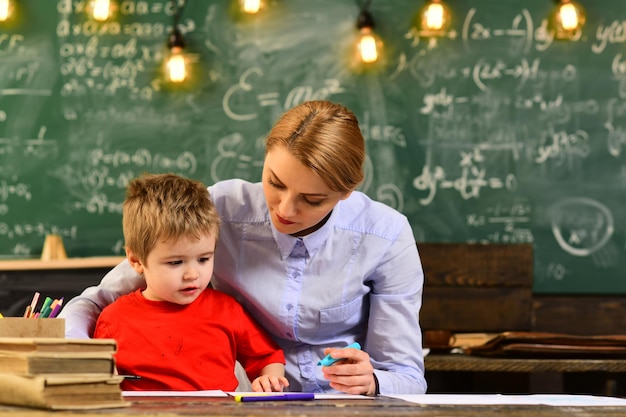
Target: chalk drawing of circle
<point>581,225</point>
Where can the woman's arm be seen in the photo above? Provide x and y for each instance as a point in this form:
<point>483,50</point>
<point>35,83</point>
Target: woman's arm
<point>81,312</point>
<point>392,361</point>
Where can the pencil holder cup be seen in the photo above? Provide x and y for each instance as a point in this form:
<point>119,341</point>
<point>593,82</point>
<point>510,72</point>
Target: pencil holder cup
<point>22,327</point>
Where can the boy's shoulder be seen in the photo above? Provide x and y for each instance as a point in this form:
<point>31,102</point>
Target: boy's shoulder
<point>122,302</point>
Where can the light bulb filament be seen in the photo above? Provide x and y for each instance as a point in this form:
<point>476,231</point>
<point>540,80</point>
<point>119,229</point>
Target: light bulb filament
<point>569,16</point>
<point>101,9</point>
<point>4,10</point>
<point>251,6</point>
<point>368,48</point>
<point>176,67</point>
<point>434,16</point>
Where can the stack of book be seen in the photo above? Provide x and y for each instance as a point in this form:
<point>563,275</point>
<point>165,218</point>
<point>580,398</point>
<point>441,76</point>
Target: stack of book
<point>59,374</point>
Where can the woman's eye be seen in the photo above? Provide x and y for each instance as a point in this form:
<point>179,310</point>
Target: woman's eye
<point>275,185</point>
<point>313,203</point>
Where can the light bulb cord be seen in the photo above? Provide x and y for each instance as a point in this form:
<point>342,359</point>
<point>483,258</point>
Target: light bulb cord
<point>176,38</point>
<point>365,19</point>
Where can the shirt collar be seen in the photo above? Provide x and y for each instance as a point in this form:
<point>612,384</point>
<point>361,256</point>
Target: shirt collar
<point>313,242</point>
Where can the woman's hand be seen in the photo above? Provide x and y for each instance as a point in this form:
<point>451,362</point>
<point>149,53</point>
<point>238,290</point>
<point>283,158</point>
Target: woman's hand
<point>269,383</point>
<point>353,374</point>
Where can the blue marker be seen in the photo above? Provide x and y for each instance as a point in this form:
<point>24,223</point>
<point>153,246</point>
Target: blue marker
<point>328,360</point>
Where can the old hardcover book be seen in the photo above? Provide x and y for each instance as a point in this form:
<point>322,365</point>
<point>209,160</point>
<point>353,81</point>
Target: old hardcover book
<point>56,344</point>
<point>552,345</point>
<point>32,363</point>
<point>62,392</point>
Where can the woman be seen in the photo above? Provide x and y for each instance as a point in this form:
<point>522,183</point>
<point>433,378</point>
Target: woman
<point>318,264</point>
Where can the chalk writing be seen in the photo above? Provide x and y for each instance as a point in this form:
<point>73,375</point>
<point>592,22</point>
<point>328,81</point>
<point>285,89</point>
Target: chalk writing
<point>472,179</point>
<point>15,231</point>
<point>581,225</point>
<point>254,77</point>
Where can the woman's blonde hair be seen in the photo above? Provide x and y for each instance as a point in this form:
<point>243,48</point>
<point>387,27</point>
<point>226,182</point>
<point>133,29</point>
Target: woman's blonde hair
<point>325,137</point>
<point>166,207</point>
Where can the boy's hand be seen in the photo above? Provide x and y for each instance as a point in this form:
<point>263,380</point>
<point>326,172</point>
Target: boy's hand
<point>269,383</point>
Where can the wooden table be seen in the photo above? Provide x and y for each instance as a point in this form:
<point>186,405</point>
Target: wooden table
<point>378,407</point>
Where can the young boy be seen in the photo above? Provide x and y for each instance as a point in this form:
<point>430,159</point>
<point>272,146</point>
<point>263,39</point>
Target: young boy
<point>177,334</point>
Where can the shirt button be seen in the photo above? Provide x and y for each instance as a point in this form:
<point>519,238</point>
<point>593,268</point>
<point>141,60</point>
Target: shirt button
<point>289,307</point>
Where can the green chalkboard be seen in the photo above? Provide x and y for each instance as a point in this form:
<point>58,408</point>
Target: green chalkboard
<point>494,133</point>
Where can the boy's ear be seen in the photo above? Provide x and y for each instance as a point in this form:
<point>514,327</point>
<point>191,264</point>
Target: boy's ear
<point>134,261</point>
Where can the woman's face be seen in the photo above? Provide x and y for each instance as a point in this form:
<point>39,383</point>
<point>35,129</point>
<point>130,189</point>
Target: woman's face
<point>296,196</point>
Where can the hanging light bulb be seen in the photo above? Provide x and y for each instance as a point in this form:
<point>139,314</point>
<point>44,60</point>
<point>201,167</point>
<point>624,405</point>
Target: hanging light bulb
<point>568,19</point>
<point>101,10</point>
<point>251,6</point>
<point>434,18</point>
<point>369,46</point>
<point>176,64</point>
<point>6,10</point>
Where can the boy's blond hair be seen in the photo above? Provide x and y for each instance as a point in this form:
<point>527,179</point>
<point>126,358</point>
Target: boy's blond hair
<point>161,207</point>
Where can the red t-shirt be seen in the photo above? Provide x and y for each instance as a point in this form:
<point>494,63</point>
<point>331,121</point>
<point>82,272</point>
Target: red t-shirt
<point>185,347</point>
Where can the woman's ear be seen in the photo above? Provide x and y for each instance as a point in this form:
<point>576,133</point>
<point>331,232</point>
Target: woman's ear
<point>134,261</point>
<point>346,195</point>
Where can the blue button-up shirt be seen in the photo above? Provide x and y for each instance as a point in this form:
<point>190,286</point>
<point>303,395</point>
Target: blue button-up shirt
<point>360,279</point>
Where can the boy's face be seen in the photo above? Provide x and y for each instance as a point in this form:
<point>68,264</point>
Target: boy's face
<point>177,271</point>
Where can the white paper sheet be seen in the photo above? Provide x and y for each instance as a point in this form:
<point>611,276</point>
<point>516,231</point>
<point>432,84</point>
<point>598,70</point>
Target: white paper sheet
<point>499,399</point>
<point>206,393</point>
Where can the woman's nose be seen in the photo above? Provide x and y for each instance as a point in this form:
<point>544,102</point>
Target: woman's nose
<point>287,207</point>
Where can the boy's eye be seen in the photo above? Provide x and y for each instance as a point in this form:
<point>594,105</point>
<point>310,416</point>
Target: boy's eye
<point>175,262</point>
<point>204,260</point>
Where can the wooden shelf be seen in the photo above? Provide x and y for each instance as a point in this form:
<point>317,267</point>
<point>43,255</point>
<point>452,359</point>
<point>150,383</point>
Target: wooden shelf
<point>459,362</point>
<point>70,263</point>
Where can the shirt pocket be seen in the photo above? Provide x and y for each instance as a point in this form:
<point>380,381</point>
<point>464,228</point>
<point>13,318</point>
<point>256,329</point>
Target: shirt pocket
<point>335,320</point>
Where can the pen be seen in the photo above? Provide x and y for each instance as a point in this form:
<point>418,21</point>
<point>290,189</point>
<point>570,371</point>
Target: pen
<point>56,309</point>
<point>44,307</point>
<point>33,303</point>
<point>130,376</point>
<point>328,360</point>
<point>286,396</point>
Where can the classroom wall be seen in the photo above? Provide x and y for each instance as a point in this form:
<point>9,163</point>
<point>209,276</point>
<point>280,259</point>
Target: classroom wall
<point>494,133</point>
